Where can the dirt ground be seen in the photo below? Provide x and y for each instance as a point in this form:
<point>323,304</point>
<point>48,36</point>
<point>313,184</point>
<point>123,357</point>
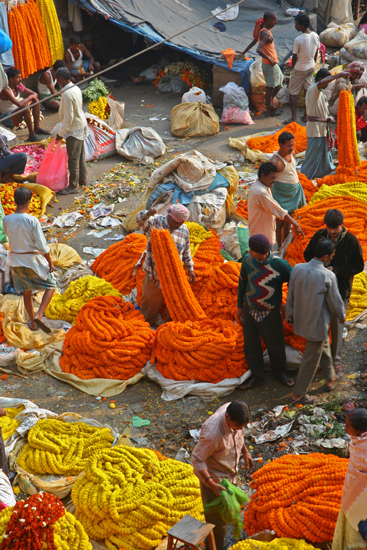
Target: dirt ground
<point>170,421</point>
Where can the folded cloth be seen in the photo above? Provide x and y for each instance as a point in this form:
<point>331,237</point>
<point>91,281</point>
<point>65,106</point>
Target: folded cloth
<point>229,55</point>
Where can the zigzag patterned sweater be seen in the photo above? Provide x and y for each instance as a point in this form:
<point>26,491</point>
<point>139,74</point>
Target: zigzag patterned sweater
<point>260,284</point>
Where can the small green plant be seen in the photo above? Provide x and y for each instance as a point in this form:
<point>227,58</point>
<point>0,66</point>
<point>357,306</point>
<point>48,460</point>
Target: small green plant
<point>95,90</point>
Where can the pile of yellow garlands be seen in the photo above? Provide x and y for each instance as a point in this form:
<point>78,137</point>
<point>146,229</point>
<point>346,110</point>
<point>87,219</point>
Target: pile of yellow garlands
<point>110,340</point>
<point>298,496</point>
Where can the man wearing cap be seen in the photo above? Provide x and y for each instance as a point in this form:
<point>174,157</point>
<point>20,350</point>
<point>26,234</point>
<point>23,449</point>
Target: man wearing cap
<point>177,215</point>
<point>259,310</point>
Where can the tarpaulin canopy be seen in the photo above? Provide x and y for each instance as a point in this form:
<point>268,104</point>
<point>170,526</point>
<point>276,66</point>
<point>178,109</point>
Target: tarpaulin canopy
<point>159,19</point>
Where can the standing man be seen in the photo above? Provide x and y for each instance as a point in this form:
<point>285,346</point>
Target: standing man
<point>287,190</point>
<point>318,162</point>
<point>30,258</point>
<point>216,457</point>
<point>259,303</point>
<point>346,262</point>
<point>177,215</point>
<point>304,57</point>
<point>263,209</point>
<point>74,129</point>
<point>313,296</point>
<point>272,72</point>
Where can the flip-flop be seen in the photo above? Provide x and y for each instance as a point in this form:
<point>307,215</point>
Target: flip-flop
<point>43,132</point>
<point>30,326</point>
<point>285,380</point>
<point>303,400</point>
<point>42,326</point>
<point>252,383</point>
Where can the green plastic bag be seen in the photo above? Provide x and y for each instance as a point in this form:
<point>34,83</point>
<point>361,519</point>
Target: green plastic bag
<point>229,505</point>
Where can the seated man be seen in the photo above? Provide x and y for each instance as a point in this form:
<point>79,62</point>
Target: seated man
<point>11,101</point>
<point>361,123</point>
<point>79,67</point>
<point>10,163</point>
<point>47,83</point>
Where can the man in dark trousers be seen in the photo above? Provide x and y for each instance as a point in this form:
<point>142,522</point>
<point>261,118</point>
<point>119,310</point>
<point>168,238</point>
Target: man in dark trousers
<point>347,262</point>
<point>259,310</point>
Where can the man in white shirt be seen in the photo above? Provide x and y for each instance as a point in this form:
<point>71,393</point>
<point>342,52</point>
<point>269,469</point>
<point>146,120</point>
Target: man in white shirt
<point>263,209</point>
<point>74,129</point>
<point>304,56</point>
<point>30,258</point>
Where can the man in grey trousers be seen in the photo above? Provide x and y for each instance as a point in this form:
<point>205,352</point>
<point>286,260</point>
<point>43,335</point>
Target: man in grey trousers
<point>313,296</point>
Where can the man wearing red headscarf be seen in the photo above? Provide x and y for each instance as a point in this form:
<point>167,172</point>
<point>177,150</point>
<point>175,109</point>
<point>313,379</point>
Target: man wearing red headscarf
<point>177,215</point>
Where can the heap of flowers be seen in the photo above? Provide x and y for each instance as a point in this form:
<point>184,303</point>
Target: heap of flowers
<point>358,298</point>
<point>110,340</point>
<point>297,496</point>
<point>188,71</point>
<point>52,28</point>
<point>35,154</point>
<point>116,264</point>
<point>40,522</point>
<point>355,189</point>
<point>96,94</point>
<point>67,306</point>
<point>27,32</point>
<point>130,497</point>
<point>8,204</point>
<point>269,143</point>
<point>276,544</point>
<point>191,347</point>
<point>198,234</point>
<point>62,448</point>
<point>10,423</point>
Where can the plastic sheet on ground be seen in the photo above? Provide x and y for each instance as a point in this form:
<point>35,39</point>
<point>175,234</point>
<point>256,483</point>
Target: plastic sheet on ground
<point>273,435</point>
<point>174,389</point>
<point>98,387</point>
<point>57,485</point>
<point>254,155</point>
<point>139,143</point>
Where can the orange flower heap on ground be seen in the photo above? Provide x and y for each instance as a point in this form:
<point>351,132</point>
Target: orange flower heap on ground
<point>110,339</point>
<point>298,496</point>
<point>116,264</point>
<point>311,218</point>
<point>269,143</point>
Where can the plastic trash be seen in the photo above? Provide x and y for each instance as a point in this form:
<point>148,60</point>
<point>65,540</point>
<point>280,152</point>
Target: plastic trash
<point>194,95</point>
<point>138,422</point>
<point>229,504</point>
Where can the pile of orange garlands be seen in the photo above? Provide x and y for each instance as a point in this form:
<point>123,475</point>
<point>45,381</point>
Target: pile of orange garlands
<point>269,143</point>
<point>311,218</point>
<point>296,342</point>
<point>308,187</point>
<point>349,167</point>
<point>110,339</point>
<point>191,347</point>
<point>116,264</point>
<point>27,32</point>
<point>298,496</point>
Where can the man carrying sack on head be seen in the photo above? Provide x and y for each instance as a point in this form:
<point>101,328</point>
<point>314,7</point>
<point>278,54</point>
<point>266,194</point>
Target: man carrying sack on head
<point>177,215</point>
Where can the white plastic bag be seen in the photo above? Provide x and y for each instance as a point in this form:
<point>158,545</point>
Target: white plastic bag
<point>336,36</point>
<point>139,143</point>
<point>90,146</point>
<point>235,105</point>
<point>117,111</point>
<point>194,94</point>
<point>150,73</point>
<point>358,46</point>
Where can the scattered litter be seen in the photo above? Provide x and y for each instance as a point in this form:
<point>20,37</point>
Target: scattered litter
<point>115,237</point>
<point>195,434</point>
<point>109,222</point>
<point>138,422</point>
<point>100,210</point>
<point>272,435</point>
<point>99,234</point>
<point>182,455</point>
<point>67,220</point>
<point>93,251</point>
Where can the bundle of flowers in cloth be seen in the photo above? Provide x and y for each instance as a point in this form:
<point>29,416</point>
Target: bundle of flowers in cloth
<point>96,94</point>
<point>188,71</point>
<point>297,496</point>
<point>41,522</point>
<point>191,347</point>
<point>8,204</point>
<point>130,497</point>
<point>110,340</point>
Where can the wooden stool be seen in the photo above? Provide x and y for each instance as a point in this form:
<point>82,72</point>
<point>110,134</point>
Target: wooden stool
<point>191,532</point>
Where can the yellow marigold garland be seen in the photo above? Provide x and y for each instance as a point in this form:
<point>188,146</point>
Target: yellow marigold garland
<point>63,448</point>
<point>297,496</point>
<point>116,264</point>
<point>110,339</point>
<point>198,234</point>
<point>67,306</point>
<point>130,498</point>
<point>9,423</point>
<point>276,544</point>
<point>354,189</point>
<point>52,28</point>
<point>358,298</point>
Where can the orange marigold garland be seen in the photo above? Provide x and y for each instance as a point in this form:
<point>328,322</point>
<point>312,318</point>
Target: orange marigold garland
<point>297,496</point>
<point>110,340</point>
<point>269,143</point>
<point>207,256</point>
<point>116,264</point>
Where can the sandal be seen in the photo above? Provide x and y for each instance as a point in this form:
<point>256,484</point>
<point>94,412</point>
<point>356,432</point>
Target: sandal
<point>274,113</point>
<point>42,132</point>
<point>326,388</point>
<point>303,400</point>
<point>285,380</point>
<point>40,324</point>
<point>252,382</point>
<point>29,325</point>
<point>338,368</point>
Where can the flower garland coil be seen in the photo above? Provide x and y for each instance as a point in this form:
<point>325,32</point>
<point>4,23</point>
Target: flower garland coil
<point>269,143</point>
<point>110,339</point>
<point>116,264</point>
<point>297,496</point>
<point>276,544</point>
<point>67,306</point>
<point>9,423</point>
<point>130,497</point>
<point>62,448</point>
<point>354,189</point>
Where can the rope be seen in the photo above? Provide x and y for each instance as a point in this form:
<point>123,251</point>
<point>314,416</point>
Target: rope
<point>135,55</point>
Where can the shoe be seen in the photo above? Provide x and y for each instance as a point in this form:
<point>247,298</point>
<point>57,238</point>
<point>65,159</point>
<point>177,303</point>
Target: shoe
<point>252,382</point>
<point>69,191</point>
<point>285,380</point>
<point>42,326</point>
